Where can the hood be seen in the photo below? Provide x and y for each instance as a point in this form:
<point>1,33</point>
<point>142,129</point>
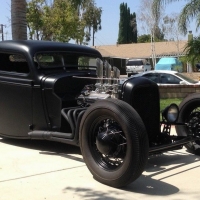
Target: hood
<point>67,84</point>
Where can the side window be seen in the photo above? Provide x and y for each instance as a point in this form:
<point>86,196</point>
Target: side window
<point>153,77</point>
<point>11,62</point>
<point>173,80</point>
<point>164,78</point>
<point>86,61</point>
<point>135,63</point>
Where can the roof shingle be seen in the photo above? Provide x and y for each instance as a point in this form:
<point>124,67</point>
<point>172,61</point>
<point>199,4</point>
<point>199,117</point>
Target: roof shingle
<point>141,50</point>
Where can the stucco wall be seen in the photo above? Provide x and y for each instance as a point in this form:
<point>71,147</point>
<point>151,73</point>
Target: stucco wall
<point>178,91</point>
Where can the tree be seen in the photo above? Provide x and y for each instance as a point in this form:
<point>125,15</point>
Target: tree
<point>189,12</point>
<point>92,18</point>
<point>122,25</point>
<point>144,38</point>
<point>35,14</point>
<point>158,34</point>
<point>150,22</point>
<point>133,28</point>
<point>192,50</point>
<point>89,15</point>
<point>127,26</point>
<point>63,20</point>
<point>65,24</point>
<point>18,19</point>
<point>171,29</point>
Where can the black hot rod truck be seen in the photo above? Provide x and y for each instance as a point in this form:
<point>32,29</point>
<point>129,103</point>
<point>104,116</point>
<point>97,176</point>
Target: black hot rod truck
<point>66,93</point>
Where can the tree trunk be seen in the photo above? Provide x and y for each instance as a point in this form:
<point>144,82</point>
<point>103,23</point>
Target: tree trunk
<point>18,20</point>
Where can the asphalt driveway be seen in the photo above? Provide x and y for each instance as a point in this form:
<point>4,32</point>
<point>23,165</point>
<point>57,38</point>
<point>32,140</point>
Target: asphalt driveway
<point>37,170</point>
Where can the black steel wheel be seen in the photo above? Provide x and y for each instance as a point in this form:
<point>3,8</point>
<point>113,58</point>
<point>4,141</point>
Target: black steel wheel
<point>114,142</point>
<point>190,114</point>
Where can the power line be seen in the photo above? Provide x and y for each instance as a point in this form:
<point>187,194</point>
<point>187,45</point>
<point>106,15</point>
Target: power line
<point>100,41</point>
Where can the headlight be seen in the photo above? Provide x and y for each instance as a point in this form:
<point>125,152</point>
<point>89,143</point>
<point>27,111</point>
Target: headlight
<point>171,113</point>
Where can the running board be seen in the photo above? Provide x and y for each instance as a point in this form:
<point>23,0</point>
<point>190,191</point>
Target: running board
<point>172,146</point>
<point>54,136</point>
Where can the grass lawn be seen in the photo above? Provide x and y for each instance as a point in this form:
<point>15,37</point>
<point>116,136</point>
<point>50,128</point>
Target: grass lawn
<point>166,102</point>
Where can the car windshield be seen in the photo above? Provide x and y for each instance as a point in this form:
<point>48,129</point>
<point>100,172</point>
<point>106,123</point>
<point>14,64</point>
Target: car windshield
<point>134,62</point>
<point>186,78</point>
<point>64,60</point>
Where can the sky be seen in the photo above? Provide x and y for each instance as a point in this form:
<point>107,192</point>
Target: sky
<point>110,19</point>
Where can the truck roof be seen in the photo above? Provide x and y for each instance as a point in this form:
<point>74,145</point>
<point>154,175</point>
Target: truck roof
<point>33,46</point>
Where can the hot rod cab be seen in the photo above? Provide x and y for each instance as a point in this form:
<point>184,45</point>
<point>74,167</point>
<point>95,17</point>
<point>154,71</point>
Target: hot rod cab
<point>67,93</point>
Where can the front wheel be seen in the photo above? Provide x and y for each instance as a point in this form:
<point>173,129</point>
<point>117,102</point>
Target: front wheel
<point>114,142</point>
<point>190,114</point>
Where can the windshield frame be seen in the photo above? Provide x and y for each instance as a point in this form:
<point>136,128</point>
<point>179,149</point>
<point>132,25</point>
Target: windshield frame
<point>74,57</point>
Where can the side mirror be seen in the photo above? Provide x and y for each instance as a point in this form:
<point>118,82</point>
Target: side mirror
<point>182,83</point>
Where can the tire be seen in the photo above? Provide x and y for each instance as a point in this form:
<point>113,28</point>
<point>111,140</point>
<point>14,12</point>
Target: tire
<point>125,142</point>
<point>190,112</point>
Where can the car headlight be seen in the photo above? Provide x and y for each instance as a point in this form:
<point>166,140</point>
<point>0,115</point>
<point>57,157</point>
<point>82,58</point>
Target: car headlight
<point>171,113</point>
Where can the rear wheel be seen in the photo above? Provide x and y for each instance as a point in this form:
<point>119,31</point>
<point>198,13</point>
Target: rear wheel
<point>190,113</point>
<point>113,142</point>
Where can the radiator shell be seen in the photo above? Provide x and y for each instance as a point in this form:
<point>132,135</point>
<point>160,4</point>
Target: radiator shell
<point>143,95</point>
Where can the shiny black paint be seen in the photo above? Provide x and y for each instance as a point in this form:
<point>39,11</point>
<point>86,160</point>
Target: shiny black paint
<point>143,95</point>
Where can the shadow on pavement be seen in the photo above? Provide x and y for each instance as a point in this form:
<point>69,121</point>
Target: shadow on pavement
<point>169,163</point>
<point>145,184</point>
<point>44,146</point>
<point>159,164</point>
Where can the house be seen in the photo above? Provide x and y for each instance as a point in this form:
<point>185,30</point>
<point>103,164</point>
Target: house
<point>119,53</point>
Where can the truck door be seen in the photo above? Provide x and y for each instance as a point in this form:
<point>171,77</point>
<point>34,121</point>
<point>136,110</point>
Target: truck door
<point>15,95</point>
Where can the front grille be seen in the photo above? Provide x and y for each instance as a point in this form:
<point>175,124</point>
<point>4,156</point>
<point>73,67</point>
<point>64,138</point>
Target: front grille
<point>145,100</point>
<point>143,95</point>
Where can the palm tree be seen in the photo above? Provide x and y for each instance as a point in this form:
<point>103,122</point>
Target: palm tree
<point>18,19</point>
<point>192,50</point>
<point>189,12</point>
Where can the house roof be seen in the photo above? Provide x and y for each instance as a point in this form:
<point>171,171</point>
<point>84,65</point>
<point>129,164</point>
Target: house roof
<point>141,50</point>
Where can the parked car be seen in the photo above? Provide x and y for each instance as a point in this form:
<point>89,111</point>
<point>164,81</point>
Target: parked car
<point>169,63</point>
<point>198,66</point>
<point>55,91</point>
<point>134,66</point>
<point>163,77</point>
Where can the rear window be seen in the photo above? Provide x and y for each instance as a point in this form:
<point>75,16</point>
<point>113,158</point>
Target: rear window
<point>186,78</point>
<point>134,62</point>
<point>63,59</point>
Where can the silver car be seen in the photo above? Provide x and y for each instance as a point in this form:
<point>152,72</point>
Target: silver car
<point>163,77</point>
<point>137,65</point>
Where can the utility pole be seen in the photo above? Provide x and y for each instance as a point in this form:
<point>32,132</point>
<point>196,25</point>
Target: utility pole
<point>93,36</point>
<point>1,31</point>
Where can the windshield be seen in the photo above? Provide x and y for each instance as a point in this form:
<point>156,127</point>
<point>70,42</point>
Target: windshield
<point>134,62</point>
<point>64,60</point>
<point>186,78</point>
